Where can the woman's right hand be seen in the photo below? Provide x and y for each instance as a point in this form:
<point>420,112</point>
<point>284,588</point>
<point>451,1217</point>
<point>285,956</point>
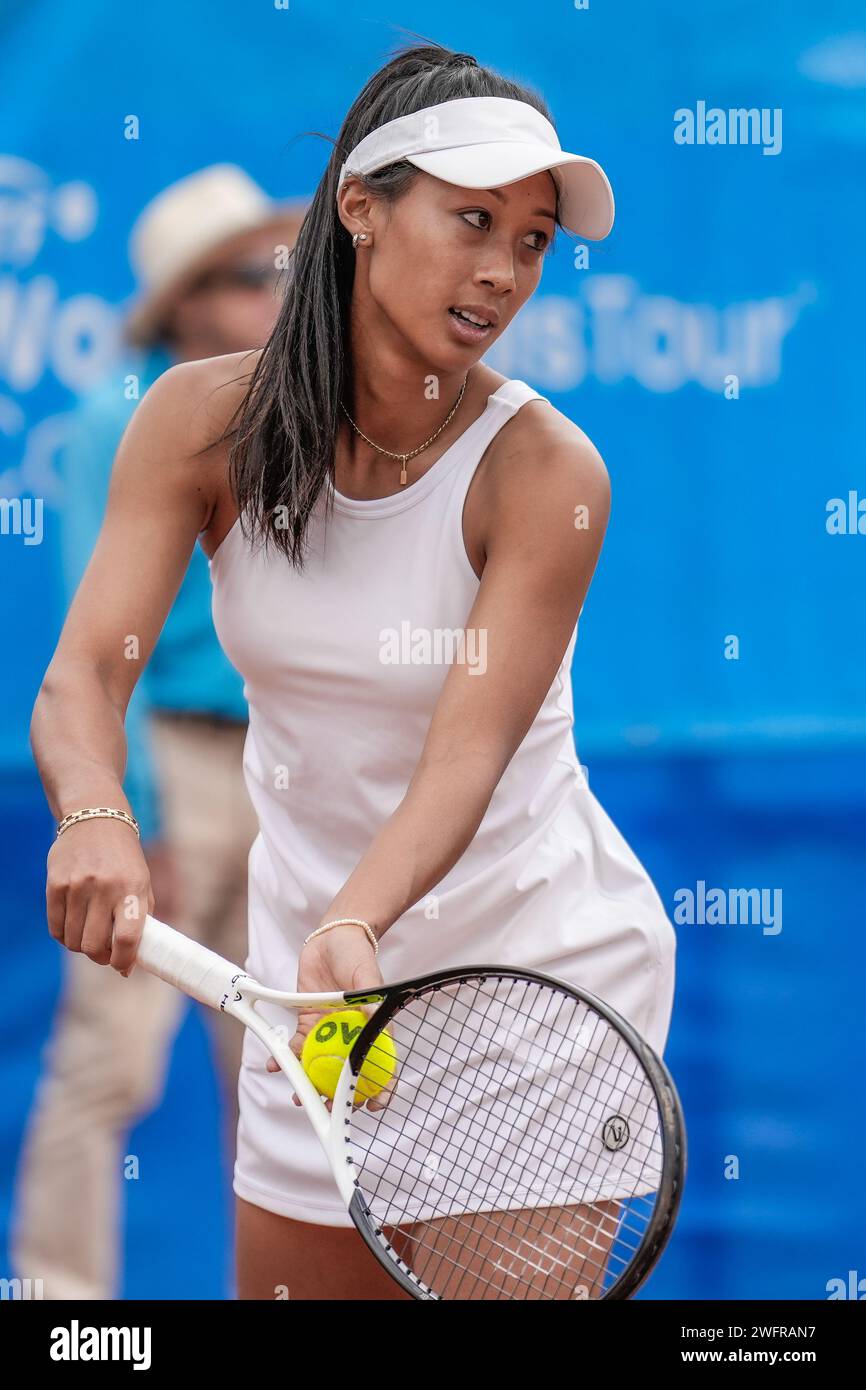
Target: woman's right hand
<point>98,891</point>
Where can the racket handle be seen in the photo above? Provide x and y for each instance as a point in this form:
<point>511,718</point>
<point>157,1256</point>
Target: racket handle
<point>188,965</point>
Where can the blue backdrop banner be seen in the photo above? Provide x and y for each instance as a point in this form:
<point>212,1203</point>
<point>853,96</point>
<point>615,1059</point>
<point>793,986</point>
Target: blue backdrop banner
<point>712,347</point>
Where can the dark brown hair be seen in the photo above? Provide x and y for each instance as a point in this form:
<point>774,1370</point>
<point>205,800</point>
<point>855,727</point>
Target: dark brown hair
<point>285,436</point>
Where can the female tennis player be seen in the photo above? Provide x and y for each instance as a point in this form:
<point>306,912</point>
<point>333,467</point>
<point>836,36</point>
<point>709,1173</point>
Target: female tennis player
<point>401,543</point>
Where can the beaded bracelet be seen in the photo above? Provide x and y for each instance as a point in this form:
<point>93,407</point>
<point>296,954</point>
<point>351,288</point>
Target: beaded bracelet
<point>90,812</point>
<point>347,922</point>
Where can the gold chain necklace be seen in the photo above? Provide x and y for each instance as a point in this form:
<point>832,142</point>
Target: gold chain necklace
<point>405,457</point>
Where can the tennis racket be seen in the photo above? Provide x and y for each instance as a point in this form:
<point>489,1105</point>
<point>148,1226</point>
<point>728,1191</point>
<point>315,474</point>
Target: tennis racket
<point>530,1144</point>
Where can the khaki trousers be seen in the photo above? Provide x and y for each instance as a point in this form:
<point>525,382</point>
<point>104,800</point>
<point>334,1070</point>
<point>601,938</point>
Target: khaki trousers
<point>106,1060</point>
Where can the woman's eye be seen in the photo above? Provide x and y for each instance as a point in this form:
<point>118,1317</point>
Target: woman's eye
<point>543,239</point>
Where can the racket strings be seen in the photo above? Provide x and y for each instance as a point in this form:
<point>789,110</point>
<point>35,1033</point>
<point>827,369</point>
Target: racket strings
<point>569,1250</point>
<point>462,1150</point>
<point>519,1153</point>
<point>444,1089</point>
<point>483,1024</point>
<point>520,1266</point>
<point>474,1154</point>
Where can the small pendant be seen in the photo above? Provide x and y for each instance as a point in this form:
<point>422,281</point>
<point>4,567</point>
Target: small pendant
<point>403,472</point>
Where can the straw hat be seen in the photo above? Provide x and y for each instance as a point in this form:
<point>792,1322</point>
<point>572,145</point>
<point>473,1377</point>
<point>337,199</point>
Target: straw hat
<point>189,225</point>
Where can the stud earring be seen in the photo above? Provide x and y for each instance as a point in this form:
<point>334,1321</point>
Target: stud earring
<point>359,236</point>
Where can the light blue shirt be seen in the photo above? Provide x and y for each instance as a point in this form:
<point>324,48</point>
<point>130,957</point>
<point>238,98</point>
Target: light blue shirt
<point>188,669</point>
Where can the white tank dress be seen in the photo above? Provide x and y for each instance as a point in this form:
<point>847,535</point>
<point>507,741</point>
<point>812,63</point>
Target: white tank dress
<point>335,734</point>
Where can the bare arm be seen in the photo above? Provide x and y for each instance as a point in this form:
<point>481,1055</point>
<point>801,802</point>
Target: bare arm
<point>538,570</point>
<point>158,502</point>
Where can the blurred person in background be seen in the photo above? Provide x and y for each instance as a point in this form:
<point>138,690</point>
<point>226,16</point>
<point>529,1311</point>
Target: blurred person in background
<point>206,253</point>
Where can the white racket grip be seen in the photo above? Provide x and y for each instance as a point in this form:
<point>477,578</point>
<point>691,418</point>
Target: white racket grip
<point>188,965</point>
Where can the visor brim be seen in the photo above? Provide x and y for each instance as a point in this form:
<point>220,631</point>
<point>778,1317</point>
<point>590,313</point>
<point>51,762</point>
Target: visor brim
<point>586,197</point>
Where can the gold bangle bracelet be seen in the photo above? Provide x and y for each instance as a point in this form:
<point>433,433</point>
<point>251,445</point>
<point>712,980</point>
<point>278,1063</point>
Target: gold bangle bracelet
<point>91,812</point>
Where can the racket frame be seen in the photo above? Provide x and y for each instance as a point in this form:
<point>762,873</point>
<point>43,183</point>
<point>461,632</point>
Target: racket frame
<point>212,980</point>
<point>674,1147</point>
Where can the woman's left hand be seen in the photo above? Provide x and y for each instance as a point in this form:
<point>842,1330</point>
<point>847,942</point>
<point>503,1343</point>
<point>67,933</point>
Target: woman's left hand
<point>339,960</point>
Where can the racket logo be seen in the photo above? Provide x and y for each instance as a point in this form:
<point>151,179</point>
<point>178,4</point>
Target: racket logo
<point>233,995</point>
<point>615,1132</point>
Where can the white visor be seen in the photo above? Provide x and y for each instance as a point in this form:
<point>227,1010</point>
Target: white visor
<point>485,142</point>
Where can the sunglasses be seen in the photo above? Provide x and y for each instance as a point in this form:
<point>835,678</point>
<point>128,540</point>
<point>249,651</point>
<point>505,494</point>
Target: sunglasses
<point>244,277</point>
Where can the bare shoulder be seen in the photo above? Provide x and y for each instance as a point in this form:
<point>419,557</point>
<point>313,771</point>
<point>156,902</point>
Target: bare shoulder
<point>539,443</point>
<point>540,468</point>
<point>194,403</point>
<point>201,396</point>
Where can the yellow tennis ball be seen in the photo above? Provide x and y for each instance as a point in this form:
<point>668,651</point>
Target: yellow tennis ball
<point>328,1044</point>
<point>378,1066</point>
